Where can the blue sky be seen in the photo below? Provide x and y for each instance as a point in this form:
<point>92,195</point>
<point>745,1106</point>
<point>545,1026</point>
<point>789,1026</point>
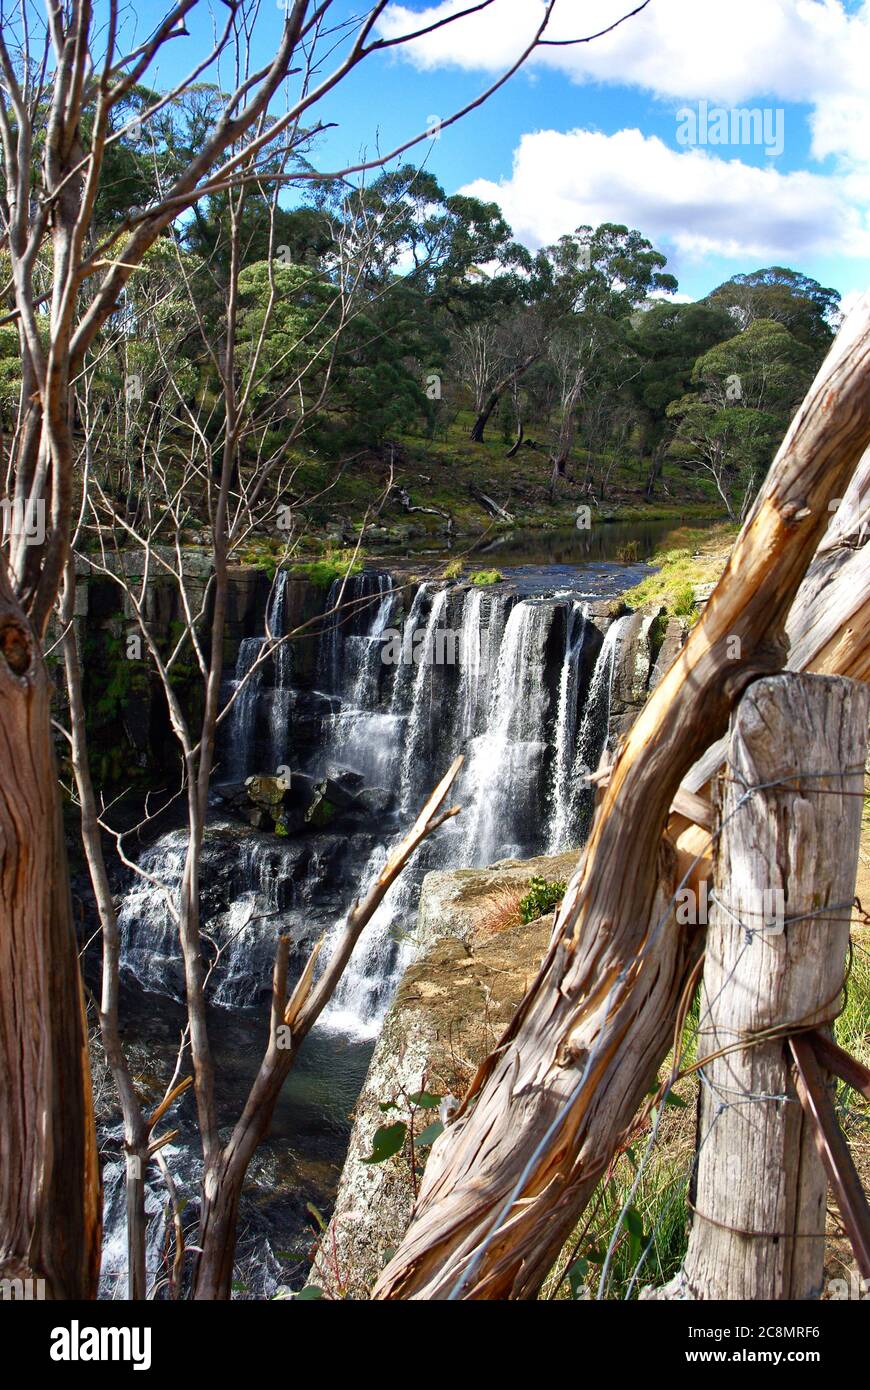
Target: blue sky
<point>590,133</point>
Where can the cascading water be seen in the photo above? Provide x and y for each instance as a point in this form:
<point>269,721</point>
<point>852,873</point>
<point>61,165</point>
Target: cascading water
<point>354,605</point>
<point>475,661</point>
<point>150,950</point>
<point>361,734</point>
<point>282,658</point>
<point>486,673</point>
<point>508,713</point>
<point>243,714</point>
<point>561,825</point>
<point>419,724</point>
<point>592,735</point>
<point>254,689</point>
<point>502,778</point>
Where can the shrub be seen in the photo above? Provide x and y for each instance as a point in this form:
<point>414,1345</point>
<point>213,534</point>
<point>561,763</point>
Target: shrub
<point>484,578</point>
<point>453,569</point>
<point>541,898</point>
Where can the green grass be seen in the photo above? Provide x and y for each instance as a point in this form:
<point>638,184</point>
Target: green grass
<point>443,471</point>
<point>653,1235</point>
<point>483,578</point>
<point>852,1028</point>
<point>658,1215</point>
<point>322,573</point>
<point>700,560</point>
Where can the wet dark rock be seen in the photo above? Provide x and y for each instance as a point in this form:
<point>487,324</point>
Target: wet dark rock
<point>350,782</point>
<point>234,794</point>
<point>376,801</point>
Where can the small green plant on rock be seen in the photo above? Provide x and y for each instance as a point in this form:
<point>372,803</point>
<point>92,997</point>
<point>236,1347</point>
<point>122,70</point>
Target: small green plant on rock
<point>334,564</point>
<point>542,897</point>
<point>483,578</point>
<point>403,1137</point>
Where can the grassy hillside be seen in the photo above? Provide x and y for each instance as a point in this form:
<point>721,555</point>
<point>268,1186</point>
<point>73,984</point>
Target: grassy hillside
<point>446,472</point>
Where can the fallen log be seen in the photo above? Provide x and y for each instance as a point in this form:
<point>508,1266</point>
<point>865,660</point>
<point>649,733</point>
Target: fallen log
<point>492,507</point>
<point>507,1180</point>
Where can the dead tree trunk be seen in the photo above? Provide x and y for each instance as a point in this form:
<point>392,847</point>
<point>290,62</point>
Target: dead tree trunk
<point>507,1180</point>
<point>758,1227</point>
<point>489,404</point>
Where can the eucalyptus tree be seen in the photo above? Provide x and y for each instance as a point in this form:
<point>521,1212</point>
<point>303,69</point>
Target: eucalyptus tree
<point>668,338</point>
<point>594,279</point>
<point>797,301</point>
<point>746,390</point>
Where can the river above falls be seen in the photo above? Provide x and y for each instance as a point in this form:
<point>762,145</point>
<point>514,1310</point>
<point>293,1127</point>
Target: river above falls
<point>601,561</point>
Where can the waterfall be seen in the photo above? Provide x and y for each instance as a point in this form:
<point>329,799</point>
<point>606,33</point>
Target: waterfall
<point>500,790</point>
<point>351,603</point>
<point>276,626</point>
<point>406,671</point>
<point>417,733</point>
<point>592,735</point>
<point>150,950</point>
<point>499,678</point>
<point>560,828</point>
<point>522,700</point>
<point>379,958</point>
<point>501,781</point>
<point>242,721</point>
<point>475,661</point>
<point>362,734</point>
<point>369,647</point>
<point>241,735</point>
<point>249,892</point>
<point>378,961</point>
<point>282,660</point>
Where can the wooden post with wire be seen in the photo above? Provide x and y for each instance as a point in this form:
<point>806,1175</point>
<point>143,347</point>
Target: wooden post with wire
<point>777,945</point>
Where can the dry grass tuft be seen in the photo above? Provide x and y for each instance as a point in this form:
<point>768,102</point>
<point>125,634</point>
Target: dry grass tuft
<point>501,911</point>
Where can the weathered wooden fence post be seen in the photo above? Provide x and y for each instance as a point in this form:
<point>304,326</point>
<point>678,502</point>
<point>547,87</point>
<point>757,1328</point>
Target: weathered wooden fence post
<point>788,849</point>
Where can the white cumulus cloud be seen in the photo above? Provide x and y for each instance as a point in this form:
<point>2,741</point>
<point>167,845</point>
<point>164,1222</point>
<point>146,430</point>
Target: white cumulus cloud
<point>810,51</point>
<point>690,201</point>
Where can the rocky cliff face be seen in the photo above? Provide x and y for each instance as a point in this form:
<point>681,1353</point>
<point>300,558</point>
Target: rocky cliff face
<point>448,1013</point>
<point>648,646</point>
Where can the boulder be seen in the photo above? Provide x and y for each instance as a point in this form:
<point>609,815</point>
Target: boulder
<point>267,792</point>
<point>345,777</point>
<point>672,643</point>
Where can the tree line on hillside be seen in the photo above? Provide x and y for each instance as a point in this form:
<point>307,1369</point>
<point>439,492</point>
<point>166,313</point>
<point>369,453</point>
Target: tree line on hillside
<point>393,308</point>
